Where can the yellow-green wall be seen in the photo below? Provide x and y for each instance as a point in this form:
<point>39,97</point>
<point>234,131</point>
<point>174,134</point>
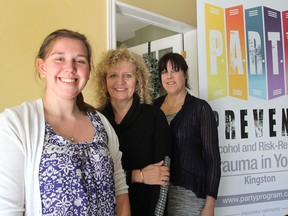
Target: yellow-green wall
<point>24,24</point>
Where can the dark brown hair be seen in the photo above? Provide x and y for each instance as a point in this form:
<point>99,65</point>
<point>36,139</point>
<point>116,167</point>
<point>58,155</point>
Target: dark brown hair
<point>178,63</point>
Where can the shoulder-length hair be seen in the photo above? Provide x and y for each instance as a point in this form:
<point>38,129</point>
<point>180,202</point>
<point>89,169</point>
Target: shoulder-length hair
<point>112,57</point>
<point>178,63</point>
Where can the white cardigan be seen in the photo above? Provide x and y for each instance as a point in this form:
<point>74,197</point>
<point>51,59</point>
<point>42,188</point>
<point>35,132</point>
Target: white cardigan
<point>22,131</point>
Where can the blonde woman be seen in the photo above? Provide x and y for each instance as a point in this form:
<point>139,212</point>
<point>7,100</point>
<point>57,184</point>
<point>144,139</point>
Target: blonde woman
<point>123,95</point>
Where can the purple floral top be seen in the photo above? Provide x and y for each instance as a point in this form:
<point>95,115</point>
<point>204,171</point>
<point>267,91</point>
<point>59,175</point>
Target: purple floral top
<point>77,178</point>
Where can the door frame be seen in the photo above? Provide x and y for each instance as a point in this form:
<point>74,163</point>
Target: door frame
<point>114,6</point>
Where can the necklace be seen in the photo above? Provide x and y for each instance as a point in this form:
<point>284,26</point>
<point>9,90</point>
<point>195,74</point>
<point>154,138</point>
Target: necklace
<point>70,138</point>
<point>175,105</point>
<point>64,131</point>
<point>171,109</point>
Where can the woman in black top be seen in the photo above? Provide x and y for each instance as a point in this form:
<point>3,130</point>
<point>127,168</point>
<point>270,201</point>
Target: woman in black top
<point>123,96</point>
<point>195,159</point>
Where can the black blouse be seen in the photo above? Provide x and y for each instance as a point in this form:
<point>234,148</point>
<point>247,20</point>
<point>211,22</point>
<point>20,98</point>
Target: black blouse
<point>195,159</point>
<point>144,139</point>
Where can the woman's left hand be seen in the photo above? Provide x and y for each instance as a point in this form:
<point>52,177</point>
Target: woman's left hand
<point>208,209</point>
<point>156,174</point>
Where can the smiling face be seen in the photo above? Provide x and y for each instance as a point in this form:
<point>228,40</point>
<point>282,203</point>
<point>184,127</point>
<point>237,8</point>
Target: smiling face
<point>173,81</point>
<point>121,81</point>
<point>66,68</point>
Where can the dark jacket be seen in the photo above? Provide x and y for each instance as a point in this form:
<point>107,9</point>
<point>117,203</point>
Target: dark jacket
<point>195,158</point>
<point>144,139</point>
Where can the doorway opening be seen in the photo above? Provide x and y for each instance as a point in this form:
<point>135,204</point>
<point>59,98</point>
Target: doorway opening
<point>124,19</point>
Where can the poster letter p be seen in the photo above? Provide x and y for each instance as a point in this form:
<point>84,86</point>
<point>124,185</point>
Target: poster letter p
<point>216,49</point>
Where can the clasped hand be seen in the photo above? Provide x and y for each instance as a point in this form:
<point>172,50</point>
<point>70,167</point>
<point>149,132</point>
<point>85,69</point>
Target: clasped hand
<point>156,174</point>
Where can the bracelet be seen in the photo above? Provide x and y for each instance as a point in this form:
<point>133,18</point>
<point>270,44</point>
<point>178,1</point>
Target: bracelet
<point>142,176</point>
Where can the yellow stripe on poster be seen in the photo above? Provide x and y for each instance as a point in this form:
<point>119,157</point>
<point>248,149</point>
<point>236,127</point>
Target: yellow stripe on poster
<point>215,52</point>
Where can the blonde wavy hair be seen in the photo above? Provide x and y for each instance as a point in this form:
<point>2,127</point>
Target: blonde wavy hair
<point>112,57</point>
